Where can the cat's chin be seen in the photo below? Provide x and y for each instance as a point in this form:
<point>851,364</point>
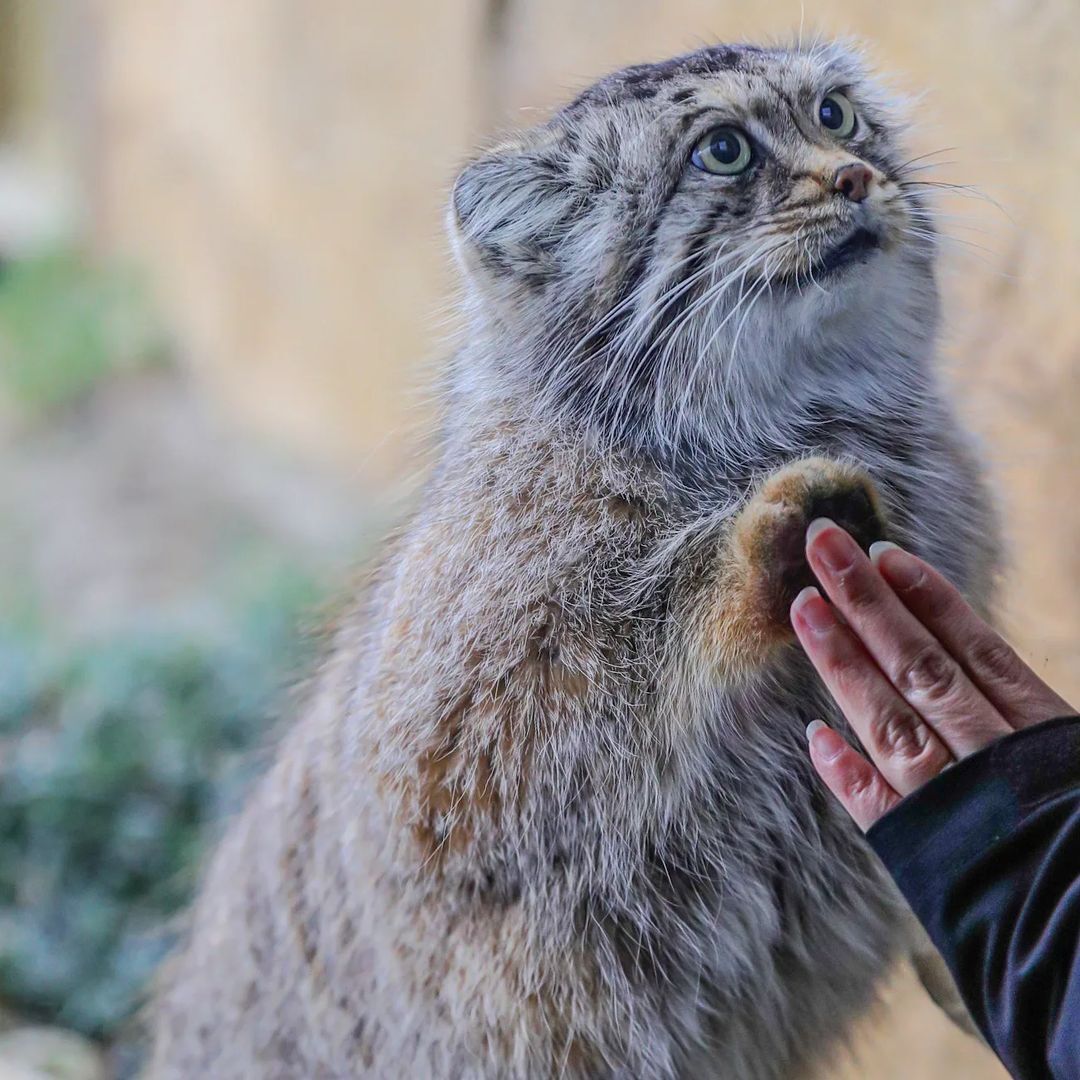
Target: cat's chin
<point>856,249</point>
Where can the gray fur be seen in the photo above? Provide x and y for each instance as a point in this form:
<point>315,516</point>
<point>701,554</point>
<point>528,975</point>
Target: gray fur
<point>527,826</point>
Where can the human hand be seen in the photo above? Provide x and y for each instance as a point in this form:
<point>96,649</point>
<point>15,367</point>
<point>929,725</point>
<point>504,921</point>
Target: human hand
<point>921,678</point>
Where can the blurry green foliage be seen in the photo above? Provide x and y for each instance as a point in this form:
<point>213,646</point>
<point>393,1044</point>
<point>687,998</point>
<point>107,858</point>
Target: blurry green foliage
<point>65,323</point>
<point>116,763</point>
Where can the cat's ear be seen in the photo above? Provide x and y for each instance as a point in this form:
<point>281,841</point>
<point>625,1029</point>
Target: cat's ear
<point>507,212</point>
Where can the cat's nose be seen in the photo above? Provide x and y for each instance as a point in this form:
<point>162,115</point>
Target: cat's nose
<point>853,181</point>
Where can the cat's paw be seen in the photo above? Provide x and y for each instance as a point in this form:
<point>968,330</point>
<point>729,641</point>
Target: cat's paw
<point>770,533</point>
<point>763,563</point>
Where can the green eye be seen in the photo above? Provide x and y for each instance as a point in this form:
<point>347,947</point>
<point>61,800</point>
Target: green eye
<point>725,151</point>
<point>837,115</point>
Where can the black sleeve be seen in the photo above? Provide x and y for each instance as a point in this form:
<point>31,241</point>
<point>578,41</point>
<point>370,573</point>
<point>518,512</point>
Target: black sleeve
<point>988,856</point>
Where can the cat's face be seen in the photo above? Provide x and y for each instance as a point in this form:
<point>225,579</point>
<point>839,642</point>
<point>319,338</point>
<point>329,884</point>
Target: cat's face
<point>690,222</point>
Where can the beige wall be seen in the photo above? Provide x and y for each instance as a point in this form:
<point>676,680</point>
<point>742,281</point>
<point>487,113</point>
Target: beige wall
<point>281,168</point>
<point>24,82</point>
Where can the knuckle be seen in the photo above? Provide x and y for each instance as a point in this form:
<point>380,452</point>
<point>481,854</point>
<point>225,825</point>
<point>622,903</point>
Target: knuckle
<point>930,674</point>
<point>902,736</point>
<point>860,589</point>
<point>939,599</point>
<point>846,669</point>
<point>993,660</point>
<point>860,786</point>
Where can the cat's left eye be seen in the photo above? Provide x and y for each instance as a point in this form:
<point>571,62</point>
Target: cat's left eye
<point>837,115</point>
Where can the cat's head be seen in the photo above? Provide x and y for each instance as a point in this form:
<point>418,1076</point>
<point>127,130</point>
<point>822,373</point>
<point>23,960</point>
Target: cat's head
<point>686,228</point>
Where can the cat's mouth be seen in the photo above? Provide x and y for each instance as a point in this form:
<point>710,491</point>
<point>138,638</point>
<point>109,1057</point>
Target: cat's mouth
<point>855,248</point>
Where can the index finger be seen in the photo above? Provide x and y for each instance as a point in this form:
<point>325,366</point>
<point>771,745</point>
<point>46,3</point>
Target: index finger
<point>991,663</point>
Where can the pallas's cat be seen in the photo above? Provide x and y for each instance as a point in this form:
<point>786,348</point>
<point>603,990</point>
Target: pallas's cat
<point>548,809</point>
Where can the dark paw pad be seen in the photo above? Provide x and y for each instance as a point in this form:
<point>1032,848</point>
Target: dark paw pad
<point>852,508</point>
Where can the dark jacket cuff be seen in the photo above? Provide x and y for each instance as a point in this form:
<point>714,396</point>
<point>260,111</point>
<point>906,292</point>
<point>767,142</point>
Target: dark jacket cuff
<point>977,800</point>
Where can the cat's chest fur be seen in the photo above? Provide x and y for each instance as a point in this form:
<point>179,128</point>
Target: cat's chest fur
<point>907,444</point>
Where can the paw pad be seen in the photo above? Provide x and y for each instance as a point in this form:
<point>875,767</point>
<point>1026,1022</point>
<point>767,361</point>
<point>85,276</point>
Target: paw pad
<point>772,528</point>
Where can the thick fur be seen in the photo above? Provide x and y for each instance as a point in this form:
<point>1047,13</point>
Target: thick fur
<point>548,811</point>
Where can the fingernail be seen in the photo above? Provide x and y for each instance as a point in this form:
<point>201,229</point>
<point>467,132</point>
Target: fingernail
<point>826,754</point>
<point>812,610</point>
<point>901,570</point>
<point>816,526</point>
<point>835,549</point>
<point>879,547</point>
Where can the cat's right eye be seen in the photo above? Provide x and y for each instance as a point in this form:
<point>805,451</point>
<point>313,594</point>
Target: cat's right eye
<point>725,151</point>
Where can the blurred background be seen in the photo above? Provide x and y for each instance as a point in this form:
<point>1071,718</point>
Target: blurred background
<point>223,282</point>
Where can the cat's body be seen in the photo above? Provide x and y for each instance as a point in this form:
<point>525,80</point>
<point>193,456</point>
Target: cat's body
<point>549,810</point>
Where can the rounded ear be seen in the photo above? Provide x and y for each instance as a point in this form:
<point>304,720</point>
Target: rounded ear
<point>483,188</point>
<point>508,209</point>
